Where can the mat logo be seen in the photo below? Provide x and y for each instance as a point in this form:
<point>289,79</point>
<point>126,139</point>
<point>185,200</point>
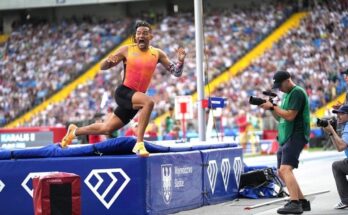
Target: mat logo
<point>107,193</point>
<point>167,182</point>
<point>212,174</point>
<point>2,186</point>
<point>225,171</point>
<point>238,169</point>
<point>27,186</point>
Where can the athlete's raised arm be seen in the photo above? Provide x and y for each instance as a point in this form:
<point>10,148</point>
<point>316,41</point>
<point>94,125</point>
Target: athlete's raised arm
<point>115,58</point>
<point>173,68</point>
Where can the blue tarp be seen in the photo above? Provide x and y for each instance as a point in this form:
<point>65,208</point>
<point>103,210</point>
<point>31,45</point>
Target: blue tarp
<point>115,146</point>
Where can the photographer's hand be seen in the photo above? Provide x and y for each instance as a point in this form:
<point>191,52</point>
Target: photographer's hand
<point>339,143</point>
<point>267,105</point>
<point>329,129</point>
<point>285,114</point>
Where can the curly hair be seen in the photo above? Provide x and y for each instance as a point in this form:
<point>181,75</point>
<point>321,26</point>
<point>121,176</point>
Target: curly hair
<point>138,24</point>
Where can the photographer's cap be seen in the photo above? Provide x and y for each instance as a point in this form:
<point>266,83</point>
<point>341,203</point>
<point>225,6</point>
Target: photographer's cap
<point>342,109</point>
<point>279,77</point>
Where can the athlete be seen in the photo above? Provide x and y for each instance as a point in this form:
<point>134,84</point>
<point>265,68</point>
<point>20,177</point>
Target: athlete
<point>139,60</point>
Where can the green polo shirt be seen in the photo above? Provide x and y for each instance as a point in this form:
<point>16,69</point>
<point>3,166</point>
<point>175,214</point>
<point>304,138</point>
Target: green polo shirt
<point>296,99</point>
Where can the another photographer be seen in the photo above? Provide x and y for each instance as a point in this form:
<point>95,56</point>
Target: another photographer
<point>293,134</point>
<point>340,168</point>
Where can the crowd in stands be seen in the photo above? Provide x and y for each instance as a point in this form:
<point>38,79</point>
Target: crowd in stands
<point>314,53</point>
<point>39,58</point>
<point>37,53</point>
<point>228,35</point>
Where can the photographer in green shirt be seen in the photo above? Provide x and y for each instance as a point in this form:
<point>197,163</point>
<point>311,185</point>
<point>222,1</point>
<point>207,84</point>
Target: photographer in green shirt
<point>293,134</point>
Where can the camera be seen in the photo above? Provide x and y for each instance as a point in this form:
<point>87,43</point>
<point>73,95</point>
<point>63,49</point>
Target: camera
<point>259,101</point>
<point>256,101</point>
<point>325,122</point>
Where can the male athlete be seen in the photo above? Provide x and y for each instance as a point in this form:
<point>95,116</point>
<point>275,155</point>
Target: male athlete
<point>140,60</point>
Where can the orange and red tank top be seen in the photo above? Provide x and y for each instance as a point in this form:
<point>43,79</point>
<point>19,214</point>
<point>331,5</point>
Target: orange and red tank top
<point>139,67</point>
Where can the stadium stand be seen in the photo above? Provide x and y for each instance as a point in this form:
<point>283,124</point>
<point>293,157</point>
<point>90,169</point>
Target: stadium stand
<point>41,51</point>
<point>239,32</point>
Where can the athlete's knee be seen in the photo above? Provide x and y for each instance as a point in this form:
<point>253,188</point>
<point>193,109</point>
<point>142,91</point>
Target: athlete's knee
<point>150,103</point>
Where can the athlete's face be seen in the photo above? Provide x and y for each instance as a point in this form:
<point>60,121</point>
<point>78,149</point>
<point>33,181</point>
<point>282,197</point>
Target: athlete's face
<point>143,36</point>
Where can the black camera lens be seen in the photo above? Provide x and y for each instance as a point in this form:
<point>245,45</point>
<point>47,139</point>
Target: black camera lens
<point>256,101</point>
<point>322,122</point>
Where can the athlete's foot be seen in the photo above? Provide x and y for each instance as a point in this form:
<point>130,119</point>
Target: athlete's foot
<point>140,150</point>
<point>70,135</point>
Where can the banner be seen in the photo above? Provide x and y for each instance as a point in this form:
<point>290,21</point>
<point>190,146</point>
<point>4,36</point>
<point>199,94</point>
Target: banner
<point>176,183</point>
<point>109,185</point>
<point>30,137</point>
<point>221,174</point>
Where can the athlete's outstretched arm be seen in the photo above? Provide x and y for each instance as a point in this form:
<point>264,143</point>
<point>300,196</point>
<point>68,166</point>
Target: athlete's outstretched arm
<point>173,68</point>
<point>115,58</point>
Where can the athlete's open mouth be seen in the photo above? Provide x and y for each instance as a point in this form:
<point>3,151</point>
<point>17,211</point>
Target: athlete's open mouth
<point>141,42</point>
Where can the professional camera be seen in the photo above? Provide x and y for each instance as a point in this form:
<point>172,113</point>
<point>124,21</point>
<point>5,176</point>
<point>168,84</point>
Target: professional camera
<point>325,122</point>
<point>259,101</point>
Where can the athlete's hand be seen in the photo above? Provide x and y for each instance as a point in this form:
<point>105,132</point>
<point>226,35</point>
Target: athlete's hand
<point>181,54</point>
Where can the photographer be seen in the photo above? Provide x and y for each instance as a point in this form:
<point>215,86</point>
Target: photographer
<point>293,134</point>
<point>340,168</point>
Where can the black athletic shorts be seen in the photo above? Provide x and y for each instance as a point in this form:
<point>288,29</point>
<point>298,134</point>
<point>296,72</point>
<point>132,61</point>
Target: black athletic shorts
<point>123,98</point>
<point>289,153</point>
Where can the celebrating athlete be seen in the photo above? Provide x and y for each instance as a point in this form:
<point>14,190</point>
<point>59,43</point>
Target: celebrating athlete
<point>139,60</point>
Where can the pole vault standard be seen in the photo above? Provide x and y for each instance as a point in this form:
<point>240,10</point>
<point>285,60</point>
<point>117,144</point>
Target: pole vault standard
<point>198,4</point>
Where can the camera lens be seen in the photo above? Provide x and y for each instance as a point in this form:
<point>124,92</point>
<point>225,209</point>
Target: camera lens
<point>322,123</point>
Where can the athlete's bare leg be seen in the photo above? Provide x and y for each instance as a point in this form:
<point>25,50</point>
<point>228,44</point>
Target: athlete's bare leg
<point>111,124</point>
<point>146,104</point>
